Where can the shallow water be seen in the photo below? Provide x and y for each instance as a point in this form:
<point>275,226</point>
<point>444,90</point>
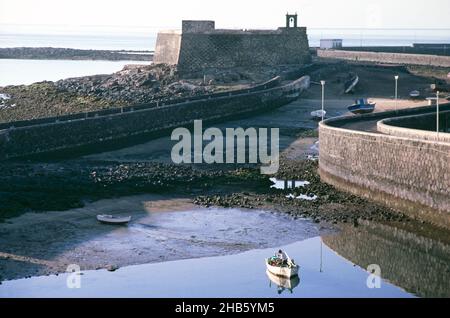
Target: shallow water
<point>287,184</point>
<point>22,71</point>
<point>411,261</point>
<point>323,273</point>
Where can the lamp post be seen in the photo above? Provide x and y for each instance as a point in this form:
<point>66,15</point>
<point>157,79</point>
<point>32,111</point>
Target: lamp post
<point>323,95</point>
<point>437,113</point>
<point>396,85</point>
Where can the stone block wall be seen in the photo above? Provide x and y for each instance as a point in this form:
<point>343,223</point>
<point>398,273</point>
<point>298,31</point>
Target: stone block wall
<point>381,57</point>
<point>194,26</point>
<point>417,126</point>
<point>224,50</point>
<point>167,47</point>
<point>406,173</point>
<point>44,135</point>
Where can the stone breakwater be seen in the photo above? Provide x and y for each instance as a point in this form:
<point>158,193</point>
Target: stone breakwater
<point>391,58</point>
<point>411,174</point>
<point>72,131</point>
<point>51,53</point>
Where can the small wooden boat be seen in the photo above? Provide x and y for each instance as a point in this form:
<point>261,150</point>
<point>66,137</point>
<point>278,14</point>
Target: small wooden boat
<point>287,269</point>
<point>349,85</point>
<point>110,219</point>
<point>414,94</point>
<point>317,114</point>
<point>361,106</point>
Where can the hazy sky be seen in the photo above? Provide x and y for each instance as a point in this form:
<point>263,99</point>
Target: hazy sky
<point>58,15</point>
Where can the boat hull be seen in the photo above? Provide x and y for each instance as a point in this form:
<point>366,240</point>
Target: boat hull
<point>365,109</point>
<point>317,114</point>
<point>108,219</point>
<point>350,85</point>
<point>287,272</point>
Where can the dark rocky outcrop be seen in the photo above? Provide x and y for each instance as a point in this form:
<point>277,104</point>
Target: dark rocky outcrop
<point>47,53</point>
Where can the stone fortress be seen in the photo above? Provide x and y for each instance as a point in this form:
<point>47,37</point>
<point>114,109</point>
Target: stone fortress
<point>200,46</point>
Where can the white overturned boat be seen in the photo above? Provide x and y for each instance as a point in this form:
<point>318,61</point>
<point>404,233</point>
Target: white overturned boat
<point>317,114</point>
<point>349,85</point>
<point>110,219</point>
<point>414,94</point>
<point>288,269</point>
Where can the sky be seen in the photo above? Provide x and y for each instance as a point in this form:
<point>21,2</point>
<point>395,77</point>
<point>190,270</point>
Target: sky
<point>143,15</point>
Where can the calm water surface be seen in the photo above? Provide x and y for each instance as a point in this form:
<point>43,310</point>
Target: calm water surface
<point>323,273</point>
<point>18,71</point>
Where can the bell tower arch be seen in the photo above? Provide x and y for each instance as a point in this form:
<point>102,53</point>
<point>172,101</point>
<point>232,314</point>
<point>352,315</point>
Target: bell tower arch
<point>291,20</point>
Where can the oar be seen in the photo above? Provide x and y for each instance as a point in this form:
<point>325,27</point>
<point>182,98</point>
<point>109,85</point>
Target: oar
<point>289,259</point>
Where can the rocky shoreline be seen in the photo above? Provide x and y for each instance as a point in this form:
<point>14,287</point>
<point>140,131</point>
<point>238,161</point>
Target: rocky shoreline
<point>52,53</point>
<point>134,84</point>
<point>48,187</point>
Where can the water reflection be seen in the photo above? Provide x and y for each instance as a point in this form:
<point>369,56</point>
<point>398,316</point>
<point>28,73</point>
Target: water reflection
<point>413,256</point>
<point>283,283</point>
<point>287,184</point>
<point>212,277</point>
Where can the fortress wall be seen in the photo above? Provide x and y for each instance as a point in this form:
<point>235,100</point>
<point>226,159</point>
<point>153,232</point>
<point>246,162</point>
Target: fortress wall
<point>382,57</point>
<point>200,51</point>
<point>167,47</point>
<point>410,174</point>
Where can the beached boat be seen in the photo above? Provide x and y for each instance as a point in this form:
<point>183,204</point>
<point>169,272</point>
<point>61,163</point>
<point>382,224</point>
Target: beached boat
<point>361,106</point>
<point>317,114</point>
<point>414,94</point>
<point>287,269</point>
<point>350,84</point>
<point>110,219</point>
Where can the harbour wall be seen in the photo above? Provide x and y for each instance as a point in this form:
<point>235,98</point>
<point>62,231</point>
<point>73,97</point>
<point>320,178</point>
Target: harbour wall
<point>417,126</point>
<point>408,173</point>
<point>37,136</point>
<point>383,57</point>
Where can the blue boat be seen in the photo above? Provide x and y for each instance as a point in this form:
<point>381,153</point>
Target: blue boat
<point>361,106</point>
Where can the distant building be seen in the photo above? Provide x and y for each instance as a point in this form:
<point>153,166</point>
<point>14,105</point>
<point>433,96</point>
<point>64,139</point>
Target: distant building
<point>199,46</point>
<point>330,44</point>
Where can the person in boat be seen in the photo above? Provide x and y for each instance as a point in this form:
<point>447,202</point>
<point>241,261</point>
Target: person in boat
<point>282,256</point>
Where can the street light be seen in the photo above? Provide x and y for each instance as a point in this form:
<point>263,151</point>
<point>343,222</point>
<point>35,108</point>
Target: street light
<point>396,82</point>
<point>437,113</point>
<point>323,94</point>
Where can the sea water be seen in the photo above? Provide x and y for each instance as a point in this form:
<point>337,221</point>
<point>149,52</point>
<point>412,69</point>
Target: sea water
<point>14,71</point>
<point>21,71</point>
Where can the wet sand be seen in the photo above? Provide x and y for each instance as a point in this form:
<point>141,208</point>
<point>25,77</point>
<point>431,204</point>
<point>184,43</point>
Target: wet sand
<point>162,228</point>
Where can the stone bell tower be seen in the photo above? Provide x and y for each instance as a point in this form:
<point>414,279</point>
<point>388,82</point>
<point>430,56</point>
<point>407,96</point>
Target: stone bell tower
<point>291,20</point>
